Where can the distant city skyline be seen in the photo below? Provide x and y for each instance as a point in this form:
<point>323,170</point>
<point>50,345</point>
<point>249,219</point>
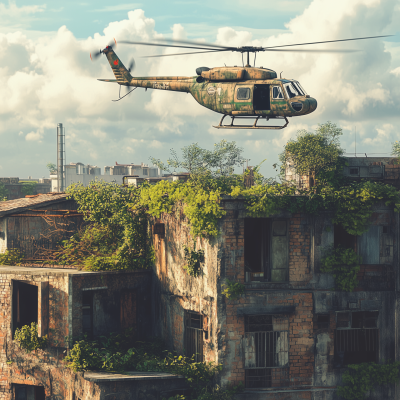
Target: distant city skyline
<point>47,77</point>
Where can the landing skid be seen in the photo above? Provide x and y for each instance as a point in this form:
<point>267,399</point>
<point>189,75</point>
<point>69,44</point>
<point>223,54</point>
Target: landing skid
<point>254,126</point>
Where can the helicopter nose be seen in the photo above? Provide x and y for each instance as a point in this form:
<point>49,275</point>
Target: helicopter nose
<point>312,104</point>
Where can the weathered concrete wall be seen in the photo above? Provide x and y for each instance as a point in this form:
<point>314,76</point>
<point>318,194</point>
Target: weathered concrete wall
<point>176,291</point>
<point>46,367</point>
<point>311,349</point>
<point>3,235</point>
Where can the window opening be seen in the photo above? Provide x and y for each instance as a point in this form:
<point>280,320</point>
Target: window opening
<point>353,171</point>
<point>291,90</point>
<point>87,313</point>
<point>27,392</point>
<point>243,93</point>
<point>356,337</point>
<point>266,250</point>
<point>322,321</point>
<point>262,97</point>
<point>193,340</point>
<point>342,238</point>
<point>266,351</point>
<point>25,304</point>
<point>277,92</point>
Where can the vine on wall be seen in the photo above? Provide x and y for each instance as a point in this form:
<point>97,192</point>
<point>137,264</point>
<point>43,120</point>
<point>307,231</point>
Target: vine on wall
<point>358,379</point>
<point>344,265</point>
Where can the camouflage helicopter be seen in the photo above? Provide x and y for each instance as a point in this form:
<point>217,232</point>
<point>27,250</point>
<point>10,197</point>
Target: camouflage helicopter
<point>238,91</point>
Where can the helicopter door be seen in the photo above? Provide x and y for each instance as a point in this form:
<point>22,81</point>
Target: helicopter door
<point>261,97</point>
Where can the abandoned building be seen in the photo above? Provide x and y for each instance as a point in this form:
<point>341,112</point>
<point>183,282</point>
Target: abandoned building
<point>289,336</point>
<point>15,186</point>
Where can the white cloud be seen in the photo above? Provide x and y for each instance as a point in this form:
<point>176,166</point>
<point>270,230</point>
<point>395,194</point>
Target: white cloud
<point>49,78</point>
<point>33,136</point>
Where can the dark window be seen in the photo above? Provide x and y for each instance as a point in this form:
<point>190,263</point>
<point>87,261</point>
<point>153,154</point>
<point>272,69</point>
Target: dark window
<point>321,321</point>
<point>356,337</point>
<point>243,93</point>
<point>159,229</point>
<point>27,392</point>
<point>266,351</point>
<point>266,250</point>
<point>194,335</point>
<point>343,239</point>
<point>25,304</point>
<point>145,171</point>
<point>87,313</point>
<point>353,171</point>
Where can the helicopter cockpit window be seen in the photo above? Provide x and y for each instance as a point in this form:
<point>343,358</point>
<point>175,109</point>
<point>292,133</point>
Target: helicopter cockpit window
<point>243,93</point>
<point>277,92</point>
<point>291,90</point>
<point>299,88</point>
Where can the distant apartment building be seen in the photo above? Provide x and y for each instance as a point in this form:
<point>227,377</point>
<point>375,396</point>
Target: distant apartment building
<point>85,173</point>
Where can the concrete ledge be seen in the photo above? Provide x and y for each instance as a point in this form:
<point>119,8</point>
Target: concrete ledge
<point>266,310</point>
<point>100,377</point>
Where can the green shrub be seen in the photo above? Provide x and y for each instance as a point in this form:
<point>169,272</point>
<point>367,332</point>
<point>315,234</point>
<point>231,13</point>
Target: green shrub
<point>28,338</point>
<point>344,265</point>
<point>194,259</point>
<point>11,257</point>
<point>233,290</point>
<point>360,378</point>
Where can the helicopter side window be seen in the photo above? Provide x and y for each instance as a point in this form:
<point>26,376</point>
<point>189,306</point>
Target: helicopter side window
<point>277,92</point>
<point>243,93</point>
<point>290,90</point>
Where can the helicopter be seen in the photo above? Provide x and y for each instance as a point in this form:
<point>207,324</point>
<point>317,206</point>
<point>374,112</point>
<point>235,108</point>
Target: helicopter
<point>240,92</point>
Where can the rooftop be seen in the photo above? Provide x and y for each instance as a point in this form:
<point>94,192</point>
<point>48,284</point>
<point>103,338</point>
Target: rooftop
<point>29,202</point>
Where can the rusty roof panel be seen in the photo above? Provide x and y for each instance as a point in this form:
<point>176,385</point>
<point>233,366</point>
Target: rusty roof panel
<point>26,203</point>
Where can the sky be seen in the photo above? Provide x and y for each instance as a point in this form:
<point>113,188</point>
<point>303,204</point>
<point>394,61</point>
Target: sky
<point>47,77</point>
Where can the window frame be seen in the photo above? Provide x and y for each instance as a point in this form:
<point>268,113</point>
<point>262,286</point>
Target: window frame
<point>281,92</point>
<point>372,333</point>
<point>248,88</point>
<point>266,269</point>
<point>196,333</point>
<point>260,338</point>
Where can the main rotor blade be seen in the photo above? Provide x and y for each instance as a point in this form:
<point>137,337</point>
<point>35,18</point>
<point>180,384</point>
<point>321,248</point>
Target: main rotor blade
<point>315,50</point>
<point>182,54</point>
<point>169,45</point>
<point>195,43</point>
<point>327,41</point>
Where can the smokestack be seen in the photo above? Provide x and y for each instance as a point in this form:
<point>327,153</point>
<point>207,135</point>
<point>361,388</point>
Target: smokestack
<point>60,158</point>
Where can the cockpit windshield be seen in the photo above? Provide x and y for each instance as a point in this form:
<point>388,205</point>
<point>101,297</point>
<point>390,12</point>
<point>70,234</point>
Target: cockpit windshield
<point>293,88</point>
<point>299,87</point>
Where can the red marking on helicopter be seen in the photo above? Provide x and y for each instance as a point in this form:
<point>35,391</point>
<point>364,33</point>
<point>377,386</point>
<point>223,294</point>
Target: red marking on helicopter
<point>116,62</point>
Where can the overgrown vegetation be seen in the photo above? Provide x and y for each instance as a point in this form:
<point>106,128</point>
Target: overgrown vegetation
<point>120,352</point>
<point>344,265</point>
<point>358,379</point>
<point>3,192</point>
<point>28,338</point>
<point>51,167</point>
<point>28,187</point>
<point>194,259</point>
<point>233,290</point>
<point>116,234</point>
<point>11,257</point>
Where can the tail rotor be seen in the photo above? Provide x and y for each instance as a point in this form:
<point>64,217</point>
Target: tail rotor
<point>94,55</point>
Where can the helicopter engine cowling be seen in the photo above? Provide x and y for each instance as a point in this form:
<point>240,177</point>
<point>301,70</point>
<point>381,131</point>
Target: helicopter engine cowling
<point>238,74</point>
<point>201,69</point>
<point>224,74</point>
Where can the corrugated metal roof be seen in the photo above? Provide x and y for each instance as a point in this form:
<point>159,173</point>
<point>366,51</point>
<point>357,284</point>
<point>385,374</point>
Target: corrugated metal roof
<point>29,202</point>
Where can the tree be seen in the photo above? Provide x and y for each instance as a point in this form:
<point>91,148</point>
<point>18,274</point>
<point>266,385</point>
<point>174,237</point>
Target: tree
<point>314,153</point>
<point>219,162</point>
<point>3,192</point>
<point>396,149</point>
<point>51,167</point>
